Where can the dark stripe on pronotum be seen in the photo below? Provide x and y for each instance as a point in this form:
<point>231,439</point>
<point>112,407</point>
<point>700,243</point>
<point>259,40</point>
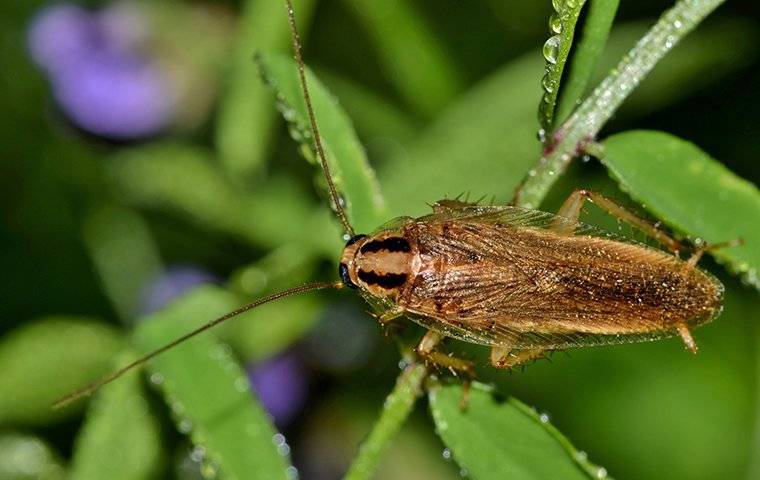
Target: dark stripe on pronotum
<point>387,280</point>
<point>391,244</point>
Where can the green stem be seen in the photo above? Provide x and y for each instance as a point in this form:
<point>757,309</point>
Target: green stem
<point>593,113</point>
<point>398,405</point>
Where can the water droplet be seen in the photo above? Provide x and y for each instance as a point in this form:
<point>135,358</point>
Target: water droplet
<point>185,426</point>
<point>283,449</point>
<point>291,472</point>
<point>678,24</point>
<point>209,469</point>
<point>586,158</point>
<point>541,135</point>
<point>557,4</point>
<point>278,439</point>
<point>464,473</point>
<point>547,83</point>
<point>601,472</point>
<point>555,23</point>
<point>156,379</point>
<point>346,237</point>
<point>544,417</point>
<point>446,454</point>
<point>402,364</point>
<point>551,49</point>
<point>198,454</point>
<point>581,456</point>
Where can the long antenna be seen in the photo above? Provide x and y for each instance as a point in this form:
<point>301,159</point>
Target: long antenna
<point>118,373</point>
<point>314,129</point>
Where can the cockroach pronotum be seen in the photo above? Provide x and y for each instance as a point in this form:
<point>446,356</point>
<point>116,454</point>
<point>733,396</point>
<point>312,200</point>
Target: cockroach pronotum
<point>520,281</point>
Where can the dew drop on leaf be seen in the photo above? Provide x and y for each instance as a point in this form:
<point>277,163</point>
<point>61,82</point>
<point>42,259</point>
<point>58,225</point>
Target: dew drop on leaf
<point>551,49</point>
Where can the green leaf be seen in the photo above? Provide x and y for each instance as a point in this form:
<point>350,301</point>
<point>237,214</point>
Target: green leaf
<point>246,121</point>
<point>482,144</point>
<point>597,108</point>
<point>48,358</point>
<point>374,115</point>
<point>350,169</point>
<point>124,254</point>
<point>690,191</point>
<point>271,328</point>
<point>208,392</point>
<point>585,55</point>
<point>181,179</point>
<point>120,439</point>
<point>396,409</point>
<point>496,438</point>
<point>556,50</point>
<point>26,457</point>
<point>412,56</point>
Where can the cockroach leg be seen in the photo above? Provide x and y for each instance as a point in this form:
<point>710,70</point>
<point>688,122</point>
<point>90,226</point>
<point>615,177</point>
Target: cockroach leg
<point>389,315</point>
<point>571,209</point>
<point>426,350</point>
<point>506,357</point>
<point>688,340</point>
<point>697,255</point>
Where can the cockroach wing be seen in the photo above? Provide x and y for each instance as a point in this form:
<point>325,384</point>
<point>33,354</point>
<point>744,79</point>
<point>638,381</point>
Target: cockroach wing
<point>529,279</point>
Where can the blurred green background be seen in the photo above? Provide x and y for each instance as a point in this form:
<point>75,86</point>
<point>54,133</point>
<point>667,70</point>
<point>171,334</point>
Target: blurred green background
<point>143,156</point>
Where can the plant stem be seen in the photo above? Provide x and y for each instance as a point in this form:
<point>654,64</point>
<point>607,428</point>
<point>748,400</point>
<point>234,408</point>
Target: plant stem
<point>398,405</point>
<point>593,113</point>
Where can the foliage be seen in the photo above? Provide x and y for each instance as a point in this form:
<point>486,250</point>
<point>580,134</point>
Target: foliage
<point>139,208</point>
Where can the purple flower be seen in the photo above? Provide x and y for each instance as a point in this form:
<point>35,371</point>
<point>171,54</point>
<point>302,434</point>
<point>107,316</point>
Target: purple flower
<point>170,285</point>
<point>99,78</point>
<point>282,385</point>
<point>59,35</point>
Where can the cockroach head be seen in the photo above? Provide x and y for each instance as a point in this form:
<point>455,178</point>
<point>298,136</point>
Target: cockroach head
<point>349,251</point>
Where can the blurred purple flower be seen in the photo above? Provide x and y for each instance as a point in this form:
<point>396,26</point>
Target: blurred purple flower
<point>59,35</point>
<point>170,285</point>
<point>281,383</point>
<point>99,79</point>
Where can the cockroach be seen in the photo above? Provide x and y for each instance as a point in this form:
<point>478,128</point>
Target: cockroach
<point>523,282</point>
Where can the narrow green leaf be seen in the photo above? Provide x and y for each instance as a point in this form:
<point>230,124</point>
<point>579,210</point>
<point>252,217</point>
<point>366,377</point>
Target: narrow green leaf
<point>556,50</point>
<point>412,56</point>
<point>351,171</point>
<point>121,438</point>
<point>373,115</point>
<point>272,328</point>
<point>486,137</point>
<point>594,112</point>
<point>181,179</point>
<point>208,393</point>
<point>585,55</point>
<point>124,255</point>
<point>48,358</point>
<point>690,191</point>
<point>396,408</point>
<point>26,457</point>
<point>497,438</point>
<point>246,118</point>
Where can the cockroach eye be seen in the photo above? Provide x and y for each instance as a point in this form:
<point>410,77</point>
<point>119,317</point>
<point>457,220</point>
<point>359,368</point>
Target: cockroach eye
<point>343,272</point>
<point>355,239</point>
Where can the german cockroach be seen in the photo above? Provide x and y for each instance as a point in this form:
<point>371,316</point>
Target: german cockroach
<point>520,281</point>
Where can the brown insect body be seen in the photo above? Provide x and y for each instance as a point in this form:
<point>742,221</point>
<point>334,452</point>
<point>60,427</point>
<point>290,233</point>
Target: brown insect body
<point>524,279</point>
<point>521,281</point>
